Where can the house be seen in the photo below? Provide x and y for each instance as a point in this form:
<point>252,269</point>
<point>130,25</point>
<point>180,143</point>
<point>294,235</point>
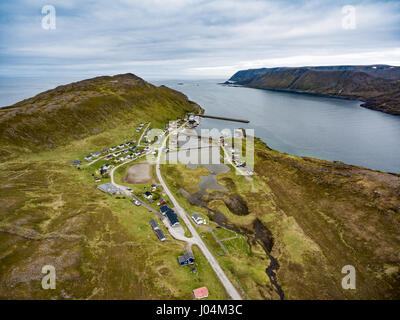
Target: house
<point>161,202</point>
<point>97,154</point>
<point>187,258</point>
<point>148,195</point>
<point>76,162</point>
<point>154,224</point>
<point>121,146</point>
<point>197,218</point>
<point>153,187</point>
<point>113,148</point>
<point>107,166</point>
<point>108,158</point>
<point>160,235</point>
<point>87,158</point>
<point>97,179</point>
<point>133,148</point>
<point>164,209</point>
<point>200,293</point>
<point>172,217</point>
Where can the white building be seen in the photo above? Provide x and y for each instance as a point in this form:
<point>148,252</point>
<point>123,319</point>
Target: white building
<point>197,218</point>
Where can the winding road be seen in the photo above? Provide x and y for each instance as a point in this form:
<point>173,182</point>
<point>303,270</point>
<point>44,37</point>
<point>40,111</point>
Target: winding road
<point>196,239</point>
<point>178,232</point>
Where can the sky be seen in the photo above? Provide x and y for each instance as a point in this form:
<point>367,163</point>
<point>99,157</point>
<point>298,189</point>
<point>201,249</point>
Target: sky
<point>193,39</point>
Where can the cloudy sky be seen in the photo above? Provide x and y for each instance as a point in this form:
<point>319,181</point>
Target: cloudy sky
<point>161,39</point>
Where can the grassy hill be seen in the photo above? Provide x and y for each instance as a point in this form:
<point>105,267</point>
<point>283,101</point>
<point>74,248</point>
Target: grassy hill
<point>81,109</point>
<point>312,218</point>
<point>51,213</point>
<point>378,86</point>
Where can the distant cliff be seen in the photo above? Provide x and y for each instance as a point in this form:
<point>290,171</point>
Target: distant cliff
<point>378,86</point>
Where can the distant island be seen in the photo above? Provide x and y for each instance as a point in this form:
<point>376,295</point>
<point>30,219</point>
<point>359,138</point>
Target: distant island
<point>378,86</point>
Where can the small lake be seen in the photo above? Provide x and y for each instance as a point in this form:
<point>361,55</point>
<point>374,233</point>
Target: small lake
<point>301,124</point>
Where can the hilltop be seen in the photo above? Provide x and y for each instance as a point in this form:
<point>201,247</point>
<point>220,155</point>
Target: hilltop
<point>84,108</point>
<point>378,86</point>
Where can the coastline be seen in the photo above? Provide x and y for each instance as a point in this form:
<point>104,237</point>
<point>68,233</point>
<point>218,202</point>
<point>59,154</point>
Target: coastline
<point>364,102</point>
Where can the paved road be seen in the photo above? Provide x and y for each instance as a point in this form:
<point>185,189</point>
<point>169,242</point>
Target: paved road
<point>196,239</point>
<point>178,233</point>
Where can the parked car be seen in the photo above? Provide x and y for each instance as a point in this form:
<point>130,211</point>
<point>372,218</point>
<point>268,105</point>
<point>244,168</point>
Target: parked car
<point>136,202</point>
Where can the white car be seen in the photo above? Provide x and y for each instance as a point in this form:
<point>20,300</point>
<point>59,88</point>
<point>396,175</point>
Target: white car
<point>137,202</point>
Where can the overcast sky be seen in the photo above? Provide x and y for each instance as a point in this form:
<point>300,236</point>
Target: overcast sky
<point>175,39</point>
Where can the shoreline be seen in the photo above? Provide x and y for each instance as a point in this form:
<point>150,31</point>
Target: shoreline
<point>320,159</point>
<point>364,103</point>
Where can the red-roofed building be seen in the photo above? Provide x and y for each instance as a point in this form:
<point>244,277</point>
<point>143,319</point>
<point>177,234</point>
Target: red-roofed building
<point>200,293</point>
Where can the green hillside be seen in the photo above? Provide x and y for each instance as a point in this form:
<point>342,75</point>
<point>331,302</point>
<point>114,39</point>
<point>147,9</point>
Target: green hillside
<point>81,109</point>
<point>377,86</point>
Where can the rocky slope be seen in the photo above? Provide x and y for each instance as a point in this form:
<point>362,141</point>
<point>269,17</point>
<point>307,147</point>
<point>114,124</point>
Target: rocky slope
<point>377,86</point>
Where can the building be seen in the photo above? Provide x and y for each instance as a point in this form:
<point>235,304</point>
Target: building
<point>200,293</point>
<point>164,209</point>
<point>197,218</point>
<point>172,217</point>
<point>154,224</point>
<point>153,187</point>
<point>76,162</point>
<point>109,188</point>
<point>148,195</point>
<point>187,258</point>
<point>160,234</point>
